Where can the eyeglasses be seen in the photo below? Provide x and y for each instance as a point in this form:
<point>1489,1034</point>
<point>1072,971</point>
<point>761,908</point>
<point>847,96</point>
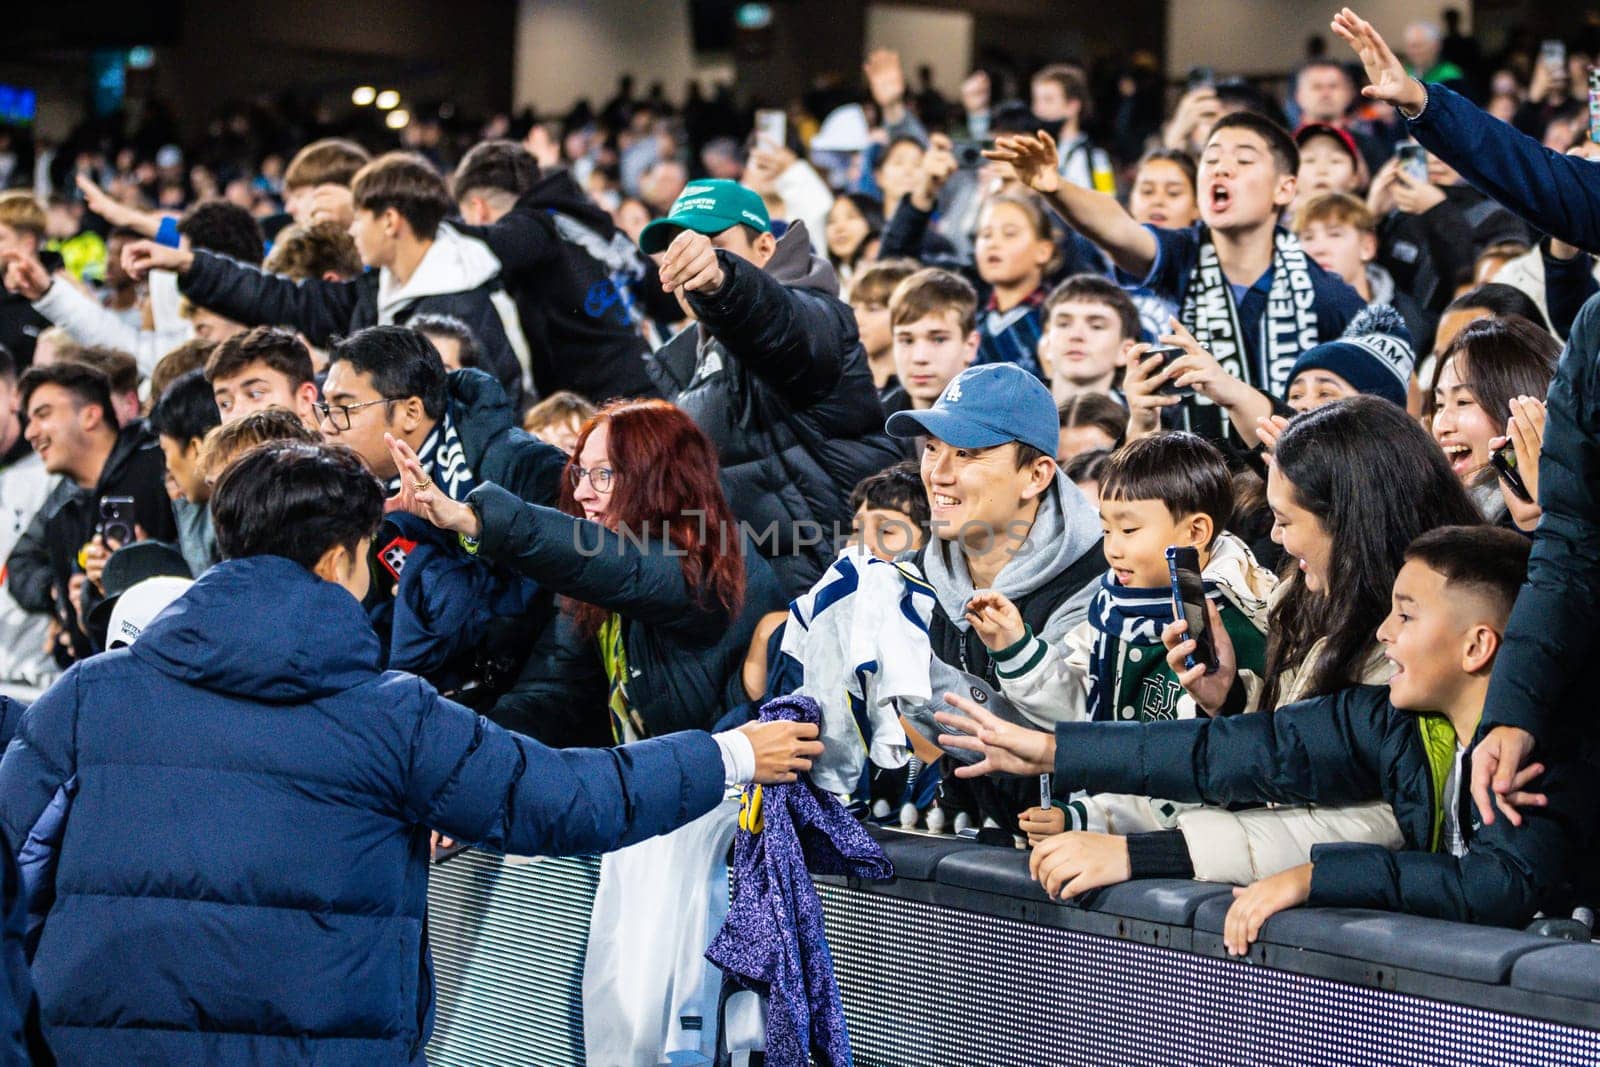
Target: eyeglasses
<point>339,414</point>
<point>599,477</point>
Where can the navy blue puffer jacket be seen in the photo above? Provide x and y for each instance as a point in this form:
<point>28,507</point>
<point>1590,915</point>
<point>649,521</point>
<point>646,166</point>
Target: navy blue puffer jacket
<point>225,828</point>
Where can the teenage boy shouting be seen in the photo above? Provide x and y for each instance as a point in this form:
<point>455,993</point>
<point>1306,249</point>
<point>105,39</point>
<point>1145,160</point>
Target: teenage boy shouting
<point>1245,288</point>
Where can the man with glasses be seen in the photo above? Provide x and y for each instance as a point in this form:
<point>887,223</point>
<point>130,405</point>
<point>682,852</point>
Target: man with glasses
<point>390,380</point>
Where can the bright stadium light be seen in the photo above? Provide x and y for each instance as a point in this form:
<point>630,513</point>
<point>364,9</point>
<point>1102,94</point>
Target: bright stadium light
<point>388,99</point>
<point>363,96</point>
<point>397,119</point>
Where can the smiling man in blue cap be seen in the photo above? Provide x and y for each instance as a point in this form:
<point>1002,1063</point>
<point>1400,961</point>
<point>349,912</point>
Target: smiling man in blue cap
<point>1004,518</point>
<point>772,370</point>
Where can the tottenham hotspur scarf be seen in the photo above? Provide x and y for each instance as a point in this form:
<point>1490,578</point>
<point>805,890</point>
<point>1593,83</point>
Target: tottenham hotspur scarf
<point>445,460</point>
<point>1124,616</point>
<point>1288,328</point>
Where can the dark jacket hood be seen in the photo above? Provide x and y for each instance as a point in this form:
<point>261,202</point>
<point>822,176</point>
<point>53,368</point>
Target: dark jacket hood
<point>797,266</point>
<point>480,408</point>
<point>263,629</point>
<point>555,190</point>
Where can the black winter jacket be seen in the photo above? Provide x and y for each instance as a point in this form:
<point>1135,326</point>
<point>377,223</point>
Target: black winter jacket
<point>684,657</point>
<point>498,451</point>
<point>1345,748</point>
<point>324,310</point>
<point>1540,680</point>
<point>580,285</point>
<point>497,448</point>
<point>776,376</point>
<point>42,563</point>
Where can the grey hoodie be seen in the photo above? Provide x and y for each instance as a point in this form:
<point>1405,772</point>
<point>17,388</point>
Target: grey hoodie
<point>1065,527</point>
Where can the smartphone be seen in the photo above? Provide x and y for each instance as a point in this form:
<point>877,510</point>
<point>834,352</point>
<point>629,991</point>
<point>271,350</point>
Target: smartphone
<point>1504,462</point>
<point>1553,54</point>
<point>1413,162</point>
<point>440,855</point>
<point>772,126</point>
<point>1167,354</point>
<point>1189,605</point>
<point>1200,78</point>
<point>969,154</point>
<point>1594,104</point>
<point>117,519</point>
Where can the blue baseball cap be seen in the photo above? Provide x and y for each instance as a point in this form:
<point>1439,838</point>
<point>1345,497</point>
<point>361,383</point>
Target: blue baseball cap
<point>984,406</point>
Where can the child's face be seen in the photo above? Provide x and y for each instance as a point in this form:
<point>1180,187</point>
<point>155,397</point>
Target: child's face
<point>12,240</point>
<point>1460,425</point>
<point>1162,196</point>
<point>1240,184</point>
<point>1138,533</point>
<point>846,228</point>
<point>885,532</point>
<point>562,433</point>
<point>929,352</point>
<point>1008,250</point>
<point>1339,248</point>
<point>872,323</point>
<point>1314,388</point>
<point>1325,167</point>
<point>1424,637</point>
<point>897,172</point>
<point>1302,534</point>
<point>1082,343</point>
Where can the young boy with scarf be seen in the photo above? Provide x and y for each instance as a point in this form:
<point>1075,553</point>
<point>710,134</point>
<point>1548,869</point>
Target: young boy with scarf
<point>1170,489</point>
<point>1244,287</point>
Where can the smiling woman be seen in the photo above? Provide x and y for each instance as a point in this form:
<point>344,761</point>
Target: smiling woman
<point>1352,483</point>
<point>1488,364</point>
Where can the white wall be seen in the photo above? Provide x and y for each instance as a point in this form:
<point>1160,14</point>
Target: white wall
<point>941,39</point>
<point>1266,36</point>
<point>571,48</point>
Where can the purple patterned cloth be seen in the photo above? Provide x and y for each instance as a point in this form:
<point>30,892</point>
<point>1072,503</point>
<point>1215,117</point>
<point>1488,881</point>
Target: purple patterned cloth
<point>773,939</point>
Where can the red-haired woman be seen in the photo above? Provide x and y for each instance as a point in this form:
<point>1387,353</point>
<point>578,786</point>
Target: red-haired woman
<point>661,589</point>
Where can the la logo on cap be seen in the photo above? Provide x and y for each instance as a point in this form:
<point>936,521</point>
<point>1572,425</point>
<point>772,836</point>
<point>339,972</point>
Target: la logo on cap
<point>952,393</point>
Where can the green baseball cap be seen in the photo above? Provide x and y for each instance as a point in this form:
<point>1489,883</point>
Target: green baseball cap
<point>709,207</point>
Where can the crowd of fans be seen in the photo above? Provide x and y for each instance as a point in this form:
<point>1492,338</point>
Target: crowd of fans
<point>645,419</point>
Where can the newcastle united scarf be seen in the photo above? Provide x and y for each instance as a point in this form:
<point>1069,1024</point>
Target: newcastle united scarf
<point>1288,328</point>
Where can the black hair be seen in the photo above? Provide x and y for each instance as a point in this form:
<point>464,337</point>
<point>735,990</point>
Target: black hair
<point>870,209</point>
<point>1375,480</point>
<point>1505,357</point>
<point>470,353</point>
<point>187,409</point>
<point>1095,409</point>
<point>499,166</point>
<point>224,227</point>
<point>1491,560</point>
<point>1499,300</point>
<point>1088,466</point>
<point>91,387</point>
<point>1182,470</point>
<point>1285,153</point>
<point>1027,455</point>
<point>1178,158</point>
<point>402,362</point>
<point>295,500</point>
<point>897,488</point>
